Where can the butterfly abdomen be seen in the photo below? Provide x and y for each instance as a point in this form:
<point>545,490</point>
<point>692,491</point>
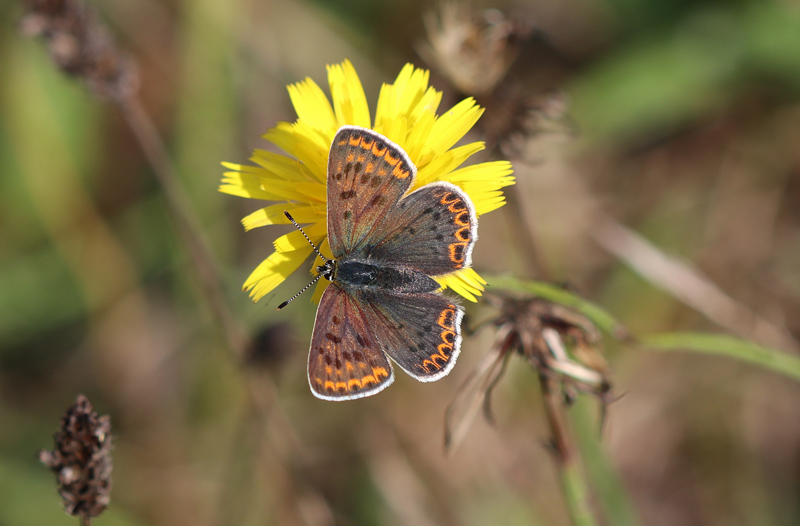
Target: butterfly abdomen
<point>367,276</point>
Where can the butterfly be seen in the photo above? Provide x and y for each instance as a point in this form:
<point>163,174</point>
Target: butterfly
<point>387,243</point>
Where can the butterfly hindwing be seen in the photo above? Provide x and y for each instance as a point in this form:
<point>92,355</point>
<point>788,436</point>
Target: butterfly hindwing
<point>432,230</point>
<point>420,332</point>
<point>367,175</point>
<point>345,360</point>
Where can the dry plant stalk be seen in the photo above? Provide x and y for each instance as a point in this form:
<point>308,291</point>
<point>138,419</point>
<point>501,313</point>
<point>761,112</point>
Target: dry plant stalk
<point>81,460</point>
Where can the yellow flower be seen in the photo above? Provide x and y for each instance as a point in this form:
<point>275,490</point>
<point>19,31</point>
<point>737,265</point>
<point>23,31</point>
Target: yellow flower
<point>406,114</point>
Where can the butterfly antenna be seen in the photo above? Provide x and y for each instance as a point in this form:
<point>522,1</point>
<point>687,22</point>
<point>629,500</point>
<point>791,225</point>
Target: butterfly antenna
<point>285,303</point>
<point>289,216</point>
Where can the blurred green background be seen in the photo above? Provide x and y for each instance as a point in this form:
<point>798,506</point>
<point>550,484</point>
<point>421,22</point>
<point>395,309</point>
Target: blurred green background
<point>682,122</point>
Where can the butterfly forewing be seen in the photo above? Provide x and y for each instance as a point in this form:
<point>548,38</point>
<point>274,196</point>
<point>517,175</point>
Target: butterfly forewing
<point>431,230</point>
<point>367,175</point>
<point>345,360</point>
<point>420,332</point>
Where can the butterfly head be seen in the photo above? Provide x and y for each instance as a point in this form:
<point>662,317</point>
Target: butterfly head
<point>328,269</point>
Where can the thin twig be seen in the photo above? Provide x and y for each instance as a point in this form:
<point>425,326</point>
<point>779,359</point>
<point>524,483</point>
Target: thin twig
<point>188,225</point>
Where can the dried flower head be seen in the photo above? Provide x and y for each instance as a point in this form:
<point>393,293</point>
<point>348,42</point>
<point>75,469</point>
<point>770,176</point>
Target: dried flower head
<point>473,50</point>
<point>82,460</point>
<point>81,46</point>
<point>557,341</point>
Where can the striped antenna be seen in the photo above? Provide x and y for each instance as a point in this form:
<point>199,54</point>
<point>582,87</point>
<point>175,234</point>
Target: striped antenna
<point>288,215</point>
<point>285,303</point>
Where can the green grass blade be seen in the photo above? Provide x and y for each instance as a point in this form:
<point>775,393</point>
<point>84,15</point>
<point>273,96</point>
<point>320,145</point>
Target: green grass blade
<point>724,345</point>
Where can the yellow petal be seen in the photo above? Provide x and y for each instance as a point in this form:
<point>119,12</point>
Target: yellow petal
<point>465,282</point>
<point>279,165</point>
<point>295,240</point>
<point>274,270</point>
<point>274,215</point>
<point>416,142</point>
<point>246,184</point>
<point>349,101</point>
<point>312,105</point>
<point>283,137</point>
<point>312,148</point>
<point>454,124</point>
<point>441,167</point>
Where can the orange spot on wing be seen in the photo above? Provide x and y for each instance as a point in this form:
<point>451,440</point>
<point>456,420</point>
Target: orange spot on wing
<point>444,336</point>
<point>355,140</point>
<point>463,234</point>
<point>351,157</point>
<point>460,220</point>
<point>447,198</point>
<point>437,357</point>
<point>390,160</point>
<point>446,318</point>
<point>367,143</point>
<point>369,168</point>
<point>427,364</point>
<point>457,253</point>
<point>457,206</point>
<point>377,151</point>
<point>399,172</point>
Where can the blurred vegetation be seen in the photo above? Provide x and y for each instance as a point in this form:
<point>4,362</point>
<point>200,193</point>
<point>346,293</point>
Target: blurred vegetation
<point>682,123</point>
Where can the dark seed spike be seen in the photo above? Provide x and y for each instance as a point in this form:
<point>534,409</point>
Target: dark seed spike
<point>285,303</point>
<point>289,216</point>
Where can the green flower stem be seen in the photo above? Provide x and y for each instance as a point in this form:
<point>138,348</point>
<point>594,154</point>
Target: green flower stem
<point>576,495</point>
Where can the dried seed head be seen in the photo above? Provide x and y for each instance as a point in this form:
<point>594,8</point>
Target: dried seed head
<point>557,341</point>
<point>473,50</point>
<point>82,459</point>
<point>81,46</point>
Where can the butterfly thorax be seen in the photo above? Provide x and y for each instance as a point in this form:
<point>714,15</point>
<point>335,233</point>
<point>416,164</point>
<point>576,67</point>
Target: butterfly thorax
<point>365,275</point>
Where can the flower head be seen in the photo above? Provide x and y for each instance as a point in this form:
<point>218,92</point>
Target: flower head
<point>405,114</point>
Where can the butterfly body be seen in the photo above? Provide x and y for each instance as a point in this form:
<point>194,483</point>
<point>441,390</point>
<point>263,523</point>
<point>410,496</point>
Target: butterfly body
<point>382,301</point>
<point>367,276</point>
